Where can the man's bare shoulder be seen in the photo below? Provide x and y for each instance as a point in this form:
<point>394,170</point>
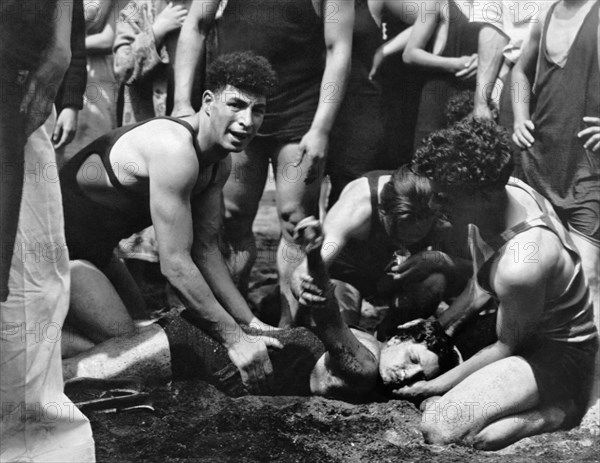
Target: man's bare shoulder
<point>531,258</point>
<point>352,211</point>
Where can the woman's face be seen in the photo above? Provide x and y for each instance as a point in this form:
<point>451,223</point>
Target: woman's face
<point>404,362</point>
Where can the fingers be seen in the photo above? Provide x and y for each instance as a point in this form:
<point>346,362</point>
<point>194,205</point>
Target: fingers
<point>301,154</point>
<point>272,342</point>
<point>522,136</point>
<point>592,120</point>
<point>589,131</point>
<point>57,134</point>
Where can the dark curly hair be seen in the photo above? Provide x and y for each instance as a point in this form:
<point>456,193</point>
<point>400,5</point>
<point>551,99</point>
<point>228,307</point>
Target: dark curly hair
<point>406,196</point>
<point>431,333</point>
<point>473,155</point>
<point>461,105</point>
<point>243,70</point>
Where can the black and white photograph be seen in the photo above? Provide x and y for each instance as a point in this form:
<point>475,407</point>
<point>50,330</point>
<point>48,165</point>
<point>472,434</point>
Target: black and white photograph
<point>321,231</point>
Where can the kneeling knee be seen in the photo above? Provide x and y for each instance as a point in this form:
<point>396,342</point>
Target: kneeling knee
<point>435,433</point>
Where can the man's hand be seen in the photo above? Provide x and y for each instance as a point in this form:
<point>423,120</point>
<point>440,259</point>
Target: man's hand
<point>249,354</point>
<point>169,19</point>
<point>419,266</point>
<point>313,146</point>
<point>65,128</point>
<point>522,133</point>
<point>255,323</point>
<point>415,392</point>
<point>469,67</point>
<point>592,133</point>
<point>311,295</point>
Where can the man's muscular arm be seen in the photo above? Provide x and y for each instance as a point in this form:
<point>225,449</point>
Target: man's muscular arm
<point>172,180</point>
<point>190,50</point>
<point>338,22</point>
<point>521,291</point>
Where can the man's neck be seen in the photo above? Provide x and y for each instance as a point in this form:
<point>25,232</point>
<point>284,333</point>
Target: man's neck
<point>205,140</point>
<point>489,216</point>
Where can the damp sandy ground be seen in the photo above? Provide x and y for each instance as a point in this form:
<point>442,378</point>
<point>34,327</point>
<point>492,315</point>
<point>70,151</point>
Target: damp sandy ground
<point>194,422</point>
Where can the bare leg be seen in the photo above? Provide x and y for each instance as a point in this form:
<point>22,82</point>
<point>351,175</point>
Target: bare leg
<point>511,429</point>
<point>590,260</point>
<point>242,194</point>
<point>295,201</point>
<point>490,408</point>
<point>72,342</point>
<point>96,310</point>
<point>146,354</point>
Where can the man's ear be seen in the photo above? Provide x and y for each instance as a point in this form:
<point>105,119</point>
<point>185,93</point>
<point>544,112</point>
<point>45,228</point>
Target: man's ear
<point>208,97</point>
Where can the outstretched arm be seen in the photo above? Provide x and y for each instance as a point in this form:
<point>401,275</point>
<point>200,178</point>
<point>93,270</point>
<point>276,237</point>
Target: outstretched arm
<point>350,365</point>
<point>193,268</point>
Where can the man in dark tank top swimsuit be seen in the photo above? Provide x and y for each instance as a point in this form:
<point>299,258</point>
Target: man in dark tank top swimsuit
<point>169,173</point>
<point>308,42</point>
<point>538,375</point>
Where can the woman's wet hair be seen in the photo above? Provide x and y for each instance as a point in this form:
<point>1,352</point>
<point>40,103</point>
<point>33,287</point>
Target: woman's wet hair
<point>243,70</point>
<point>405,197</point>
<point>430,333</point>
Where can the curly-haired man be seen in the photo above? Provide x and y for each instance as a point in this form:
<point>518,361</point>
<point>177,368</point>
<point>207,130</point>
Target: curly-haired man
<point>169,173</point>
<point>537,376</point>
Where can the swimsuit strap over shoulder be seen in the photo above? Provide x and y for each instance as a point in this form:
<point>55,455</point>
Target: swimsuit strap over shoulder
<point>105,155</point>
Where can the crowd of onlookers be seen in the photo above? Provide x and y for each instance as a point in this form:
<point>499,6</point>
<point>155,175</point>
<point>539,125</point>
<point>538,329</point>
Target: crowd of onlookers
<point>349,92</point>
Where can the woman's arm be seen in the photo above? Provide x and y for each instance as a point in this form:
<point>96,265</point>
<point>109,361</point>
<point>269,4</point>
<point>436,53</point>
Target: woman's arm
<point>423,30</point>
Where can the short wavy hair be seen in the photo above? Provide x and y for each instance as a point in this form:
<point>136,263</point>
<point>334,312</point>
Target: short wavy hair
<point>473,155</point>
<point>462,104</point>
<point>430,333</point>
<point>243,70</point>
<point>406,196</point>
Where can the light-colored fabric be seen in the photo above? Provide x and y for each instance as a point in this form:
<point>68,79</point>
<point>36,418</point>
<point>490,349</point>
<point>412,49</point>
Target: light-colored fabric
<point>37,421</point>
<point>567,318</point>
<point>511,17</point>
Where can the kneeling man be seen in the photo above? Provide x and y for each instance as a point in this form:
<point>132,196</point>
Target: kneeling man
<point>169,173</point>
<point>537,376</point>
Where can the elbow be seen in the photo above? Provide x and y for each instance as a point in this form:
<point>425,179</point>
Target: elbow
<point>409,56</point>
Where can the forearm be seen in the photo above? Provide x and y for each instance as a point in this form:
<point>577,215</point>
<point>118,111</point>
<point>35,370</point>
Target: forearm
<point>489,51</point>
<point>424,59</point>
<point>190,51</point>
<point>486,356</point>
<point>101,43</point>
<point>520,105</point>
<point>333,89</point>
<point>197,296</point>
<point>212,266</point>
<point>397,44</point>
